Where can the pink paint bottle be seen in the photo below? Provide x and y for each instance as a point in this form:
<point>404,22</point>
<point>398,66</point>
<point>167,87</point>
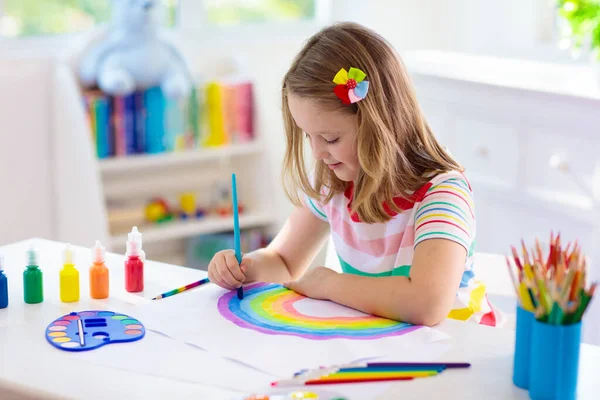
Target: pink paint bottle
<point>134,265</point>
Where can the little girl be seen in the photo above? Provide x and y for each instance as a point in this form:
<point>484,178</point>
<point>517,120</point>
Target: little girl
<point>398,207</point>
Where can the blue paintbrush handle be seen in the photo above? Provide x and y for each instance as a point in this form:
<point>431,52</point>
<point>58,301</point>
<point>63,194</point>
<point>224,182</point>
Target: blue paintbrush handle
<point>236,229</point>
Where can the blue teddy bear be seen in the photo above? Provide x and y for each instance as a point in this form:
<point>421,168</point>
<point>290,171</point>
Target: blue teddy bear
<point>134,56</point>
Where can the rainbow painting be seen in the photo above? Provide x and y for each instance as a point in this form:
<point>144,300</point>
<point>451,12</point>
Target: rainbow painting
<point>270,309</point>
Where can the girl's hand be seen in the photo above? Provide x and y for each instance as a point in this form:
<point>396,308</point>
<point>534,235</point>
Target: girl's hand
<point>315,283</point>
<point>225,271</point>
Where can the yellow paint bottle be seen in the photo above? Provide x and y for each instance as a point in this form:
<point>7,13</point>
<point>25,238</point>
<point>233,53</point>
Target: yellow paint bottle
<point>69,277</point>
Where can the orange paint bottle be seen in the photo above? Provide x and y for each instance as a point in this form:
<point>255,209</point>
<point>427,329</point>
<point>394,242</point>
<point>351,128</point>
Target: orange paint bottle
<point>98,273</point>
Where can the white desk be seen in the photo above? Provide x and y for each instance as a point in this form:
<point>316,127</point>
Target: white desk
<point>31,368</point>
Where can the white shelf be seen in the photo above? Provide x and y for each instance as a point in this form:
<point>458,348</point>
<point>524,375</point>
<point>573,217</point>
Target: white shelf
<point>182,229</point>
<point>132,163</point>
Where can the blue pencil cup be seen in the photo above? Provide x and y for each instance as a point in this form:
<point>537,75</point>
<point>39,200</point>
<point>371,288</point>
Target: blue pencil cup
<point>554,362</point>
<point>522,348</point>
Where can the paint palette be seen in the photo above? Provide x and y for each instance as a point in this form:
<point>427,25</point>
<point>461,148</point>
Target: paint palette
<point>296,395</point>
<point>88,330</point>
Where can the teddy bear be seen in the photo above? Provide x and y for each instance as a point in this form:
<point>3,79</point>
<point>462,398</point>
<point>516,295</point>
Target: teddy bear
<point>133,55</point>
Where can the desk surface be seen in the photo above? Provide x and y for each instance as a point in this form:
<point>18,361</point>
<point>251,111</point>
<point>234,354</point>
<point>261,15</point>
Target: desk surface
<point>31,368</point>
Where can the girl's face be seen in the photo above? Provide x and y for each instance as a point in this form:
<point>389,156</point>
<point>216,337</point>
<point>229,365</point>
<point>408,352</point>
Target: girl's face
<point>332,135</point>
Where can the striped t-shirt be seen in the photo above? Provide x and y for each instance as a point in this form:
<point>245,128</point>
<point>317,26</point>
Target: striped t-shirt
<point>442,208</point>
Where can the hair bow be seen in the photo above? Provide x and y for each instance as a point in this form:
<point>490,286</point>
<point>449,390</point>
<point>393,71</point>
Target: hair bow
<point>351,86</point>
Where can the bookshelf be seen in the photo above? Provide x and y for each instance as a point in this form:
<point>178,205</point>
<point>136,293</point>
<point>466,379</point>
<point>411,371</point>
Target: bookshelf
<point>134,163</point>
<point>184,229</point>
<point>125,183</point>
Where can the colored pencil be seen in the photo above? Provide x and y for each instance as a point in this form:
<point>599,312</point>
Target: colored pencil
<point>341,381</point>
<point>368,372</point>
<point>392,365</point>
<point>377,374</point>
<point>236,230</point>
<point>182,289</point>
<point>420,364</point>
<point>555,291</point>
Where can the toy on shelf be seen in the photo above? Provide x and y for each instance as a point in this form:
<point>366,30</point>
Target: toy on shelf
<point>158,211</point>
<point>223,200</point>
<point>188,208</point>
<point>134,55</point>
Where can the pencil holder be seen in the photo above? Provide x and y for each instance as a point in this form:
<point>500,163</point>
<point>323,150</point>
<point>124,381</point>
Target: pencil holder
<point>522,348</point>
<point>554,361</point>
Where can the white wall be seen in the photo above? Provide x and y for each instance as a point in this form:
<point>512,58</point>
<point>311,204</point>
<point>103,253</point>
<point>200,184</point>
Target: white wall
<point>509,28</point>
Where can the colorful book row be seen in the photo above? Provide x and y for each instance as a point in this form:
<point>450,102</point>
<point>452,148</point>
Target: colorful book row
<point>148,122</point>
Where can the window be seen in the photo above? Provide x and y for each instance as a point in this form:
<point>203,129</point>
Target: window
<point>26,18</point>
<point>236,12</point>
<point>228,21</point>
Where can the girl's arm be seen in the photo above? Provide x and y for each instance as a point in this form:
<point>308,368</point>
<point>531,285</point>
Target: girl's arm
<point>423,299</point>
<point>291,252</point>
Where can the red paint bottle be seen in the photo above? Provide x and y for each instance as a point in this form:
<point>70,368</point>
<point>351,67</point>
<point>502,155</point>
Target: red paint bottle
<point>134,265</point>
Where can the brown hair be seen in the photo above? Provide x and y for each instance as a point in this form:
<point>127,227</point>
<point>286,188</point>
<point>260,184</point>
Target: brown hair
<point>397,150</point>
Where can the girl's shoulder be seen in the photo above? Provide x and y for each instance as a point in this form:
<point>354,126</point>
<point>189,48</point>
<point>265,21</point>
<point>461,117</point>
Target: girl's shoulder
<point>439,178</point>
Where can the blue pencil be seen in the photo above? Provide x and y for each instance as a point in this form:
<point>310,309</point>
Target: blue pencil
<point>236,230</point>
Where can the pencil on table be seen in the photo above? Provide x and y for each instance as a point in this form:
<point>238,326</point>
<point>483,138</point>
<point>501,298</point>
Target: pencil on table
<point>181,289</point>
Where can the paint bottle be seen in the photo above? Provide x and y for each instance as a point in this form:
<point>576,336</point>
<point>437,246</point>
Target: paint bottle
<point>33,286</point>
<point>98,273</point>
<point>136,236</point>
<point>134,264</point>
<point>69,277</point>
<point>3,285</point>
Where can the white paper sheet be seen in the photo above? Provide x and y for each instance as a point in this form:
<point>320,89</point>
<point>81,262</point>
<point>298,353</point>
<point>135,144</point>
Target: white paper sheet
<point>157,355</point>
<point>193,317</point>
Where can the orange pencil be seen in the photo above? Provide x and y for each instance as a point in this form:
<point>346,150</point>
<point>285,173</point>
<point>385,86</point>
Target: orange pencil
<point>550,259</point>
<point>538,248</point>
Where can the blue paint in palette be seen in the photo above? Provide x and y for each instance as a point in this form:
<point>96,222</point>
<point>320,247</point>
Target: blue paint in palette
<point>97,327</point>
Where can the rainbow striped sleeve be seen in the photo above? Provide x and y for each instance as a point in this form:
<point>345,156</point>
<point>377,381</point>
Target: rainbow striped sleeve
<point>447,212</point>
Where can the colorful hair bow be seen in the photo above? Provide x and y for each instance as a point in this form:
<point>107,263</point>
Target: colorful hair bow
<point>351,86</point>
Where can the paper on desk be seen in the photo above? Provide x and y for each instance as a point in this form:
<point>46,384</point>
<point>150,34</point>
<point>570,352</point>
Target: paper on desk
<point>160,356</point>
<point>194,318</point>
